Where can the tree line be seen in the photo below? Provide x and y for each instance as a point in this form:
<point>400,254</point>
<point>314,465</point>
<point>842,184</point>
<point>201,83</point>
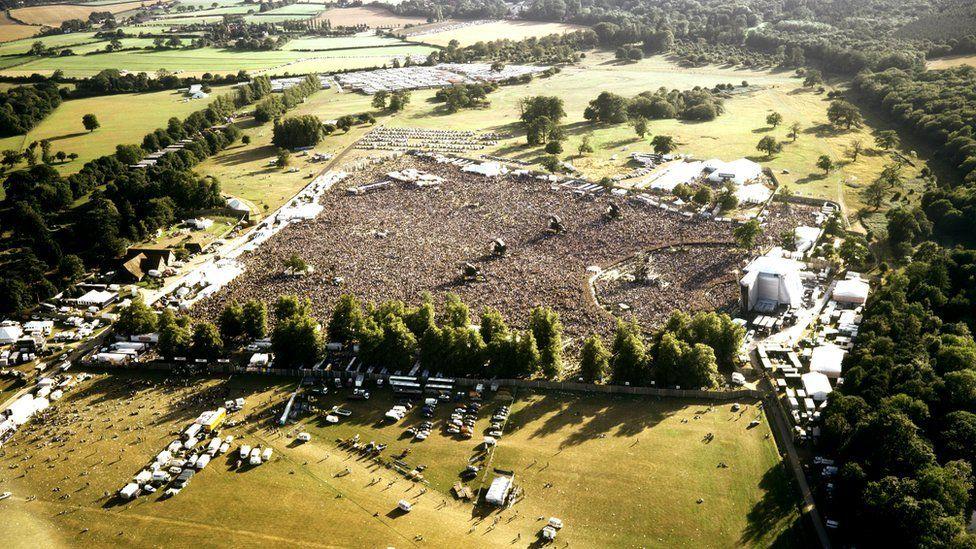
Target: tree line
<point>689,351</point>
<point>903,425</point>
<point>23,107</point>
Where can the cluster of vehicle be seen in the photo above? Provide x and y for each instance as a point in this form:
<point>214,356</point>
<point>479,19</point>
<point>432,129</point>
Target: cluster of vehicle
<point>255,456</point>
<point>498,422</point>
<point>422,431</point>
<point>463,419</point>
<point>175,466</point>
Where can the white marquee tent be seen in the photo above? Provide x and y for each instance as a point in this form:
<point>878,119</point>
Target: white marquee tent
<point>827,360</point>
<point>816,385</point>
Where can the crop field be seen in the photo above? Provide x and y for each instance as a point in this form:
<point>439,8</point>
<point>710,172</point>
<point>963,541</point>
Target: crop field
<point>20,47</point>
<point>495,30</point>
<point>53,15</point>
<point>14,30</point>
<point>374,17</point>
<point>620,472</point>
<point>124,119</point>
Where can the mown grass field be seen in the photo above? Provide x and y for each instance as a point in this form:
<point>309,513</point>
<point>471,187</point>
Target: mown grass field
<point>949,62</point>
<point>340,42</point>
<point>124,119</point>
<point>317,494</point>
<point>495,30</point>
<point>20,47</point>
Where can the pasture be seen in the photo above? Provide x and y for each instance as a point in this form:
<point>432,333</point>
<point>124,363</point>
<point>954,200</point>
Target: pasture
<point>605,487</point>
<point>52,15</point>
<point>949,62</point>
<point>216,60</point>
<point>124,119</point>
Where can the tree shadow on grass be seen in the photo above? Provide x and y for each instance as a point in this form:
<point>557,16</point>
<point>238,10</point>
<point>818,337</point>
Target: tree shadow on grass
<point>590,417</point>
<point>245,155</point>
<point>67,136</point>
<point>825,130</point>
<point>811,178</point>
<point>777,511</point>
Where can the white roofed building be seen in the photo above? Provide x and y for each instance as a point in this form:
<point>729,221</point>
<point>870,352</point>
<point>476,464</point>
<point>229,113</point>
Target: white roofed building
<point>739,171</point>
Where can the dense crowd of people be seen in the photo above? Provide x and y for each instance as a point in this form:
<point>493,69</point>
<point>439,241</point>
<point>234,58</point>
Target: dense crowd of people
<point>400,241</point>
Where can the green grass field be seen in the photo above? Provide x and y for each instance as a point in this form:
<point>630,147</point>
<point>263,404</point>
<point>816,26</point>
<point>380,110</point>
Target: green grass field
<point>214,60</point>
<point>124,118</point>
<point>609,491</point>
<point>245,171</point>
<point>340,42</point>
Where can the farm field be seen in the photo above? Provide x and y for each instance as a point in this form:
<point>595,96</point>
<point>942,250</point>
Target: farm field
<point>20,47</point>
<point>214,60</point>
<point>373,17</point>
<point>495,30</point>
<point>14,30</point>
<point>340,42</point>
<point>124,119</point>
<point>53,15</point>
<point>323,492</point>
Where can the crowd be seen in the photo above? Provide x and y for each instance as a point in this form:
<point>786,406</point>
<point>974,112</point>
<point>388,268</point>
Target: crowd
<point>451,141</point>
<point>690,278</point>
<point>402,241</point>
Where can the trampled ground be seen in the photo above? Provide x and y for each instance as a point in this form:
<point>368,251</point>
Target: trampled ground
<point>624,472</point>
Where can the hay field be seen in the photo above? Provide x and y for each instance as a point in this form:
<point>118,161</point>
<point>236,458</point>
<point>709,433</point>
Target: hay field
<point>375,17</point>
<point>124,119</point>
<point>302,498</point>
<point>495,30</point>
<point>20,47</point>
<point>52,15</point>
<point>340,42</point>
<point>14,30</point>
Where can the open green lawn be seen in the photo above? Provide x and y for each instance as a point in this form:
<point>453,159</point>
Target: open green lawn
<point>609,491</point>
<point>124,118</point>
<point>19,47</point>
<point>245,171</point>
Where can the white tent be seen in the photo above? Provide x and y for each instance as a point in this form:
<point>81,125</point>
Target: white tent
<point>675,174</point>
<point>10,334</point>
<point>852,290</point>
<point>487,169</point>
<point>738,171</point>
<point>237,204</point>
<point>805,237</point>
<point>772,279</point>
<point>817,385</point>
<point>499,490</point>
<point>97,298</point>
<point>754,193</point>
<point>827,360</point>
